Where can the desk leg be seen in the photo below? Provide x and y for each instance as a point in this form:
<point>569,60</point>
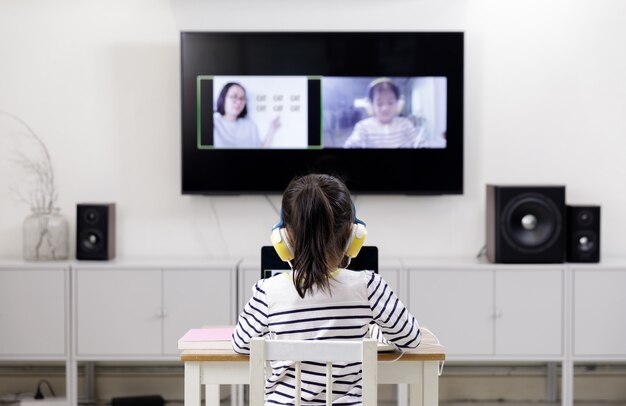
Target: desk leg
<point>192,383</point>
<point>403,394</point>
<point>416,389</point>
<point>431,383</point>
<point>211,395</point>
<point>567,383</point>
<point>71,380</point>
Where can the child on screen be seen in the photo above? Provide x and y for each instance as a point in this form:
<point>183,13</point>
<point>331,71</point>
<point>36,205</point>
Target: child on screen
<point>318,300</point>
<point>385,129</point>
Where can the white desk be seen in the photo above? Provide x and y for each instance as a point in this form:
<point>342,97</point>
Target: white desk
<point>418,368</point>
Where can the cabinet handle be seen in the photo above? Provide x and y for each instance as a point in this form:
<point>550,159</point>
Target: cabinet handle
<point>161,314</point>
<point>497,313</point>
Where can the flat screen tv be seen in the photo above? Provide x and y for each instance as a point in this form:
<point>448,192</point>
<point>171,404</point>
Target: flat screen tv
<point>383,110</point>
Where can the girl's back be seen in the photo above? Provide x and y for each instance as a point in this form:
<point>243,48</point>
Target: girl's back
<point>318,229</point>
<point>358,298</point>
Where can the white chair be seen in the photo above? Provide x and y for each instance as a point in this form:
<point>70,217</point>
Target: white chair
<point>262,350</point>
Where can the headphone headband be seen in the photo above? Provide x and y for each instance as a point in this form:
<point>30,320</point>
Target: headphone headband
<point>285,251</point>
<point>281,223</point>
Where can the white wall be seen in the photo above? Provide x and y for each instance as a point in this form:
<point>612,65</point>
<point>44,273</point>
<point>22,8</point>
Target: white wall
<point>545,102</point>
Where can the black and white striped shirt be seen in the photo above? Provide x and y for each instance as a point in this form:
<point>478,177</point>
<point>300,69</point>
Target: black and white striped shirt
<point>356,299</point>
<point>370,133</point>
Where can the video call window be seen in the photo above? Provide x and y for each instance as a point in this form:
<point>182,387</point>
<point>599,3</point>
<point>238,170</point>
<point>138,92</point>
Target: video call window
<point>387,112</point>
<point>300,112</point>
<point>251,112</point>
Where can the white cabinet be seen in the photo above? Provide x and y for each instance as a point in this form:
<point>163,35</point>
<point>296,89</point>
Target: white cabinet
<point>529,311</point>
<point>195,298</point>
<point>141,312</point>
<point>391,271</point>
<point>248,274</point>
<point>118,311</point>
<point>599,304</point>
<point>487,311</point>
<point>33,312</point>
<point>457,305</point>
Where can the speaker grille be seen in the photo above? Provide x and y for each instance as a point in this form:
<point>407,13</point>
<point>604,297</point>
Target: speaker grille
<point>531,223</point>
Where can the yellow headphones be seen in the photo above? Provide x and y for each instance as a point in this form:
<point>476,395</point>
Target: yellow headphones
<point>280,240</point>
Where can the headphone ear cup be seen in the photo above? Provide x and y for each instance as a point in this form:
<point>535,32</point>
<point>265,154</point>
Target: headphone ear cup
<point>282,247</point>
<point>357,239</point>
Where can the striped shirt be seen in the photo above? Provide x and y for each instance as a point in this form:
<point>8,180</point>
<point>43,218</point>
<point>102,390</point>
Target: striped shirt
<point>370,133</point>
<point>356,299</point>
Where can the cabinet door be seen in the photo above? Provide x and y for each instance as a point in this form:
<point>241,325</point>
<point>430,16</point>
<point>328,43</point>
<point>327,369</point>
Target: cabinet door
<point>456,306</point>
<point>32,312</point>
<point>195,298</point>
<point>529,311</point>
<point>247,278</point>
<point>118,312</point>
<point>599,321</point>
<point>392,277</point>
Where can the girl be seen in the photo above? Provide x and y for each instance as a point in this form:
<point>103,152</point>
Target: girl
<point>318,300</point>
<point>385,129</point>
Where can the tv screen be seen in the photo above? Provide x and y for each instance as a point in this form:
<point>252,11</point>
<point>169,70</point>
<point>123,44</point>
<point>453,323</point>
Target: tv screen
<point>382,110</point>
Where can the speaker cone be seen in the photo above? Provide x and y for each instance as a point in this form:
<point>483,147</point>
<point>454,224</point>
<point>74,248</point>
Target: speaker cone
<point>585,241</point>
<point>91,216</point>
<point>91,240</point>
<point>532,222</point>
<point>584,217</point>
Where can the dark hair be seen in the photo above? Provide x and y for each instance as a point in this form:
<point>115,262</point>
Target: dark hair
<point>382,84</point>
<point>221,99</point>
<point>318,214</point>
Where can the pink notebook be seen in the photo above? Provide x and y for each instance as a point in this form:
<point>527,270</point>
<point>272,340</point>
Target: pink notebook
<point>210,338</point>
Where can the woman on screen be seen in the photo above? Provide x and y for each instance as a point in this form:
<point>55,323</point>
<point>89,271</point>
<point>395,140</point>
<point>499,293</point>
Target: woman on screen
<point>385,129</point>
<point>231,126</point>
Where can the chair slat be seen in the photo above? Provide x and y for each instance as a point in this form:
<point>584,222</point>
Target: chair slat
<point>329,384</point>
<point>328,352</point>
<point>298,383</point>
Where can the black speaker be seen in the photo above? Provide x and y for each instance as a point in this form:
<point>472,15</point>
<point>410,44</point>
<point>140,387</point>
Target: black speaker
<point>95,231</point>
<point>583,234</point>
<point>525,224</point>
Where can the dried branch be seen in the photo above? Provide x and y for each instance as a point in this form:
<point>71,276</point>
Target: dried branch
<point>43,195</point>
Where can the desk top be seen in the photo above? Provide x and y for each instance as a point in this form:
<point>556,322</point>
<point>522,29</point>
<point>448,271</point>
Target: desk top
<point>428,350</point>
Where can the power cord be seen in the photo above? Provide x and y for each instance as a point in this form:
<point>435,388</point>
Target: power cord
<point>272,205</point>
<point>482,252</point>
<point>39,394</point>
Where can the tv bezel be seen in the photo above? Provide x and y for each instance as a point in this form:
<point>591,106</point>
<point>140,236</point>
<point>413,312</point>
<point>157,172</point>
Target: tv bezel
<point>366,171</point>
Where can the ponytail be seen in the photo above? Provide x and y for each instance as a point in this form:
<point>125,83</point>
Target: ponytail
<point>318,213</point>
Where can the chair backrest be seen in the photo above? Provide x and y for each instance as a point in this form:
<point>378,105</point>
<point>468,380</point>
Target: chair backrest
<point>330,351</point>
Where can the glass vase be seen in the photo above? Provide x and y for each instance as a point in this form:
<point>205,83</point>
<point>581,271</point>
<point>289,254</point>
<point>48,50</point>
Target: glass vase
<point>46,236</point>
